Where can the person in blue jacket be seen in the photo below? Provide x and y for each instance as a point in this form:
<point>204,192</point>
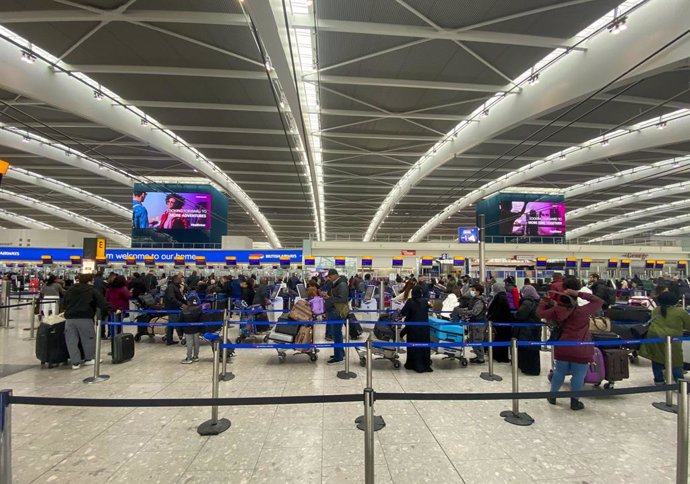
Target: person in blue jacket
<point>140,216</point>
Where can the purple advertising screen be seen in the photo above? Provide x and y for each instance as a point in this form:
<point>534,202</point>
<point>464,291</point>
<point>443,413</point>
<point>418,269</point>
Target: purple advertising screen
<point>172,211</point>
<point>532,218</point>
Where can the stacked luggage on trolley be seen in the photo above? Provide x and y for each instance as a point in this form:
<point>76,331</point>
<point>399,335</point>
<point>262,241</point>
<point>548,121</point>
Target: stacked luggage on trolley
<point>301,332</point>
<point>146,302</point>
<point>444,331</point>
<point>254,325</point>
<point>386,330</point>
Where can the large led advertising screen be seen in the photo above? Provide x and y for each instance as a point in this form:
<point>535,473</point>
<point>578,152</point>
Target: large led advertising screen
<point>529,219</point>
<point>171,211</point>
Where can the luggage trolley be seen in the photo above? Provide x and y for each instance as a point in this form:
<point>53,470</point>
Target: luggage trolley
<point>148,302</point>
<point>383,332</point>
<point>444,331</point>
<point>251,329</point>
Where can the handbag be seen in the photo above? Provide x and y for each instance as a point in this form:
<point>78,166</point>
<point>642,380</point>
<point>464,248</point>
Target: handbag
<point>301,311</point>
<point>599,324</point>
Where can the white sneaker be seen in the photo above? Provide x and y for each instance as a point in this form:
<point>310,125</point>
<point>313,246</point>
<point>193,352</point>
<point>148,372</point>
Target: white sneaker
<point>187,362</point>
<point>90,362</point>
<point>77,366</point>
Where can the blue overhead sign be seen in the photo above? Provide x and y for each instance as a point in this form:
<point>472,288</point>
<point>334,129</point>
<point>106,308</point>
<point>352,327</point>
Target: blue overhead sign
<point>159,255</point>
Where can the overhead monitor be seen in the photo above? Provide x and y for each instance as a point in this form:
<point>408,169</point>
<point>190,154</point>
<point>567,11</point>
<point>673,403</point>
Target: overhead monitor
<point>571,262</point>
<point>367,261</point>
<point>468,235</point>
<point>613,264</point>
<point>397,262</point>
<point>172,211</point>
<point>340,261</point>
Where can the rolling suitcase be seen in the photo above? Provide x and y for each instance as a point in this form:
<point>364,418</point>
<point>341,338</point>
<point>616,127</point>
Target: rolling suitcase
<point>596,373</point>
<point>51,347</point>
<point>122,347</point>
<point>616,364</point>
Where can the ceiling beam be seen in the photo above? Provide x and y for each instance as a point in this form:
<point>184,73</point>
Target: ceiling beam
<point>257,75</point>
<point>98,15</point>
<point>402,83</point>
<point>411,31</point>
<point>642,101</point>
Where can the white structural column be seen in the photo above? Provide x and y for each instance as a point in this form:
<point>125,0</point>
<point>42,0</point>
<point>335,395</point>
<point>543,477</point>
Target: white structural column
<point>41,82</point>
<point>681,219</point>
<point>574,76</point>
<point>72,217</point>
<point>32,178</point>
<point>624,218</point>
<point>24,221</point>
<point>42,147</point>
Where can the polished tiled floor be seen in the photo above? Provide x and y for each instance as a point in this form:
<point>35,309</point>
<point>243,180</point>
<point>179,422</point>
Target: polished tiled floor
<point>617,439</point>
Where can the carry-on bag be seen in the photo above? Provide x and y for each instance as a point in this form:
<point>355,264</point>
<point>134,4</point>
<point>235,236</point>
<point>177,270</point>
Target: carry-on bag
<point>301,311</point>
<point>51,347</point>
<point>596,372</point>
<point>122,347</point>
<point>616,363</point>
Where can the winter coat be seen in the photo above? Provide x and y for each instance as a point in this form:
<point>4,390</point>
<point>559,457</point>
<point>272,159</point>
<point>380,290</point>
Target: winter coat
<point>118,297</point>
<point>527,313</point>
<point>499,310</point>
<point>574,324</point>
<point>673,324</point>
<point>81,301</point>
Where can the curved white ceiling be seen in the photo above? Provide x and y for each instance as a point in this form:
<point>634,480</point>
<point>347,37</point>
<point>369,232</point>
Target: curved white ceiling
<point>24,221</point>
<point>74,93</point>
<point>681,219</point>
<point>72,217</point>
<point>572,77</point>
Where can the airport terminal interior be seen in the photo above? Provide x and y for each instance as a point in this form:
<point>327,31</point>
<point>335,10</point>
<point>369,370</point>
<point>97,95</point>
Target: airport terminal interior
<point>379,238</point>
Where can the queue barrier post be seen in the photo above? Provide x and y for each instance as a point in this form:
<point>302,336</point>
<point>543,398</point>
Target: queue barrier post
<point>346,374</point>
<point>377,421</point>
<point>682,436</point>
<point>97,377</point>
<point>224,374</point>
<point>32,319</point>
<point>490,376</point>
<point>5,437</point>
<point>369,464</point>
<point>668,406</point>
<point>514,416</point>
<point>214,426</point>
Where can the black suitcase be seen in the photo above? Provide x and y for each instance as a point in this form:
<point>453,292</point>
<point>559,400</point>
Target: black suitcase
<point>122,347</point>
<point>289,329</point>
<point>629,313</point>
<point>355,330</point>
<point>51,347</point>
<point>616,364</point>
<point>606,336</point>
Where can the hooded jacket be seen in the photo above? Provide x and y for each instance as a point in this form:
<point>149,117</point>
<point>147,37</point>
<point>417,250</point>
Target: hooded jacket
<point>81,301</point>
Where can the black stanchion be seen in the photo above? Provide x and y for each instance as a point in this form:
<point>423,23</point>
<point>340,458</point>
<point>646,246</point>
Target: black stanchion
<point>346,374</point>
<point>5,437</point>
<point>490,375</point>
<point>225,375</point>
<point>377,421</point>
<point>514,416</point>
<point>668,406</point>
<point>214,426</point>
<point>97,377</point>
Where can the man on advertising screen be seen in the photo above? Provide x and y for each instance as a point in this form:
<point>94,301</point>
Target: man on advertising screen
<point>140,216</point>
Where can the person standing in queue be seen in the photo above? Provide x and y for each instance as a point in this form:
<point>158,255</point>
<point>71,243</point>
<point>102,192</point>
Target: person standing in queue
<point>529,359</point>
<point>416,310</point>
<point>475,312</point>
<point>573,322</point>
<point>667,320</point>
<point>337,309</point>
<point>174,300</point>
<point>81,302</point>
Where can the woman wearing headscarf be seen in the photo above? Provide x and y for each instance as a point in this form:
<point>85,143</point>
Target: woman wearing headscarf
<point>667,320</point>
<point>529,359</point>
<point>499,312</point>
<point>416,310</point>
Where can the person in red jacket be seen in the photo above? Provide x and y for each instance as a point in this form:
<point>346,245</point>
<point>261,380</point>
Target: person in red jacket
<point>118,296</point>
<point>573,320</point>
